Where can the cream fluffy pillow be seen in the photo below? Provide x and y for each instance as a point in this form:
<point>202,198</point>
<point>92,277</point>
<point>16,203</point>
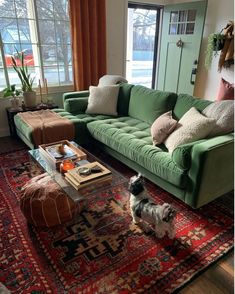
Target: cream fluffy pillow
<point>103,100</point>
<point>223,113</point>
<point>162,127</point>
<point>191,127</point>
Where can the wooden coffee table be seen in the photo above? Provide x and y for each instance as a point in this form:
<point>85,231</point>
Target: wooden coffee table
<point>75,195</point>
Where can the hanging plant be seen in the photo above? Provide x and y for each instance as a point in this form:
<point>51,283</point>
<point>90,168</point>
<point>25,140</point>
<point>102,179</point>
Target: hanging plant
<point>214,45</point>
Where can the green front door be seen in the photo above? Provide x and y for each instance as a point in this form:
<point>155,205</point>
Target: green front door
<point>180,45</point>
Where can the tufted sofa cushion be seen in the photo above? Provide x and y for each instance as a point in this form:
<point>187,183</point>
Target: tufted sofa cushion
<point>147,104</point>
<point>131,137</point>
<point>80,123</point>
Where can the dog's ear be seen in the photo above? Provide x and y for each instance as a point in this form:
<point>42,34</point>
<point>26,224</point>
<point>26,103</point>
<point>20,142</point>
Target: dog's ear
<point>168,213</point>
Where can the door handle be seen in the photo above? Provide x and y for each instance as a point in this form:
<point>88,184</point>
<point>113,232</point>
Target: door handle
<point>193,74</point>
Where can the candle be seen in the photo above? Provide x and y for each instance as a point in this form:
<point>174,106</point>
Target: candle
<point>40,89</point>
<point>46,88</point>
<point>66,165</point>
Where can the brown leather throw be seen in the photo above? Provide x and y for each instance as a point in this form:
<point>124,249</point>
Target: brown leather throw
<point>227,53</point>
<point>48,126</point>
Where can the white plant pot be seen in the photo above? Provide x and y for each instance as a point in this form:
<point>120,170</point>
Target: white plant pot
<point>30,99</point>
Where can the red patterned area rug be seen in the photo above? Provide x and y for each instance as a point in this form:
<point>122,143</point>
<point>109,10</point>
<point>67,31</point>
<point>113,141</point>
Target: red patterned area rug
<point>101,250</point>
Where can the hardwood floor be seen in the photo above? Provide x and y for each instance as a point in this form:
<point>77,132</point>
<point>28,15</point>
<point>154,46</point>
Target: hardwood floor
<point>217,279</point>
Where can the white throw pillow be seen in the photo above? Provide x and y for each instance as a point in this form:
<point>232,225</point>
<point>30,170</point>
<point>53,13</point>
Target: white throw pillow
<point>103,100</point>
<point>191,127</point>
<point>223,113</point>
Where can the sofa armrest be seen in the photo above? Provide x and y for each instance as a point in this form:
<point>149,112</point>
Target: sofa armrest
<point>212,172</point>
<point>78,94</point>
<point>76,105</point>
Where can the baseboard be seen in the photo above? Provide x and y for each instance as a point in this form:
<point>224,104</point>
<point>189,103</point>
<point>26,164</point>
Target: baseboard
<point>4,132</point>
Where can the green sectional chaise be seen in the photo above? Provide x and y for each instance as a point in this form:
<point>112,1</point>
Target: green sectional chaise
<point>197,173</point>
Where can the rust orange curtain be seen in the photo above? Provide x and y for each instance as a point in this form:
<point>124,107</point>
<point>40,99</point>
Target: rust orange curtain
<point>88,31</point>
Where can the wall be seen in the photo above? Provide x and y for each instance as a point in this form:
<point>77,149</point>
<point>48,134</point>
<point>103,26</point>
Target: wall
<point>207,82</point>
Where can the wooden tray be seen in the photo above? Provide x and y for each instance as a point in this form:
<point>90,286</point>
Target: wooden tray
<point>56,162</point>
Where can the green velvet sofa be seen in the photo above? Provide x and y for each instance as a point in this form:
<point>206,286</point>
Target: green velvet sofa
<point>196,173</point>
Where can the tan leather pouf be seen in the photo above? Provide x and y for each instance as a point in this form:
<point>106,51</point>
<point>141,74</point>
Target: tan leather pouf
<point>44,203</point>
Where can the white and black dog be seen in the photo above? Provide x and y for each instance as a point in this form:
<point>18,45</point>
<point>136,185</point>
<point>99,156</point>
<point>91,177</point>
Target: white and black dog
<point>143,208</point>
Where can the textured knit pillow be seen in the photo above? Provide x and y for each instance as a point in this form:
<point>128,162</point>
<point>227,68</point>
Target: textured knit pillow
<point>45,204</point>
<point>163,126</point>
<point>191,127</point>
<point>223,113</point>
<point>226,91</point>
<point>103,100</point>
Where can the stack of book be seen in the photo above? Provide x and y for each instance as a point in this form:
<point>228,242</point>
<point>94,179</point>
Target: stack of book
<point>88,174</point>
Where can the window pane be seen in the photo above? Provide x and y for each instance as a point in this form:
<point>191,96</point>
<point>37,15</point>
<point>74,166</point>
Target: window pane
<point>52,75</point>
<point>174,16</point>
<point>9,32</point>
<point>173,29</point>
<point>60,10</point>
<point>191,15</point>
<point>44,9</point>
<point>26,30</point>
<point>190,28</point>
<point>62,32</point>
<point>7,8</point>
<point>65,74</point>
<point>181,29</point>
<point>47,32</point>
<point>21,8</point>
<point>2,79</point>
<point>1,63</point>
<point>49,55</point>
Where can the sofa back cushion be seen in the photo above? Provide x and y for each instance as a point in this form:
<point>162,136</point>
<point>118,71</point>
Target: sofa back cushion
<point>147,104</point>
<point>185,102</point>
<point>124,99</point>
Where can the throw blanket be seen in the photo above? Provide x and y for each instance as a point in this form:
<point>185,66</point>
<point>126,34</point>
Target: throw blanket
<point>48,126</point>
<point>227,53</point>
<point>108,80</point>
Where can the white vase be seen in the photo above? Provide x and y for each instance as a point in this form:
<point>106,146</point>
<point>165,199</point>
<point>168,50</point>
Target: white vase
<point>30,99</point>
<point>15,102</point>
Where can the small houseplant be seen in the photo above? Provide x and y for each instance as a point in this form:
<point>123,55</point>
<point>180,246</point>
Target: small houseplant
<point>14,93</point>
<point>26,80</point>
<point>214,45</point>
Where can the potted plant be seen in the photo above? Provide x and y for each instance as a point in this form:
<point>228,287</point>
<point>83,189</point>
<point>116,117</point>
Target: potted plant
<point>214,45</point>
<point>27,82</point>
<point>14,93</point>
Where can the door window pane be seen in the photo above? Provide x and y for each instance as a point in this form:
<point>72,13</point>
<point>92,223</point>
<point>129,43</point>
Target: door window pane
<point>190,28</point>
<point>182,25</point>
<point>182,15</point>
<point>192,15</point>
<point>181,29</point>
<point>174,16</point>
<point>173,29</point>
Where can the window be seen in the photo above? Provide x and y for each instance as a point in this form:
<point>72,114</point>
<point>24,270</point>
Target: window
<point>182,22</point>
<point>40,29</point>
<point>142,42</point>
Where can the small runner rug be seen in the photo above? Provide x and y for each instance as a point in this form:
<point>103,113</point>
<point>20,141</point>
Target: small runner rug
<point>101,250</point>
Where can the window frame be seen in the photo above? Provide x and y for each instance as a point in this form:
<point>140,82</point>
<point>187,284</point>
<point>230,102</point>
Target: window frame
<point>41,68</point>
